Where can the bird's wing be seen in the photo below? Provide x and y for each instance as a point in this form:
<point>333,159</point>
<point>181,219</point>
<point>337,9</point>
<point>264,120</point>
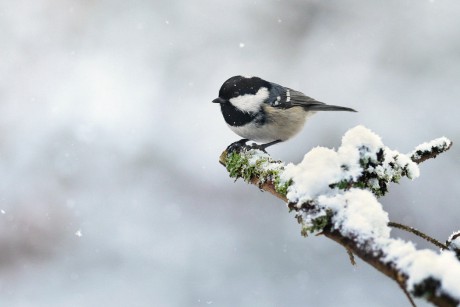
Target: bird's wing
<point>284,98</point>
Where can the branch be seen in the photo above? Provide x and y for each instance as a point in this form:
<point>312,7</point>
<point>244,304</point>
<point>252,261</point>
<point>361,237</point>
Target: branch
<point>430,150</point>
<point>335,193</point>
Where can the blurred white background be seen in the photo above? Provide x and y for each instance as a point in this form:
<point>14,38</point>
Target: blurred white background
<point>110,189</point>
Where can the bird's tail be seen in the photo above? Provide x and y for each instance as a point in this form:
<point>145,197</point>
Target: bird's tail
<point>326,107</point>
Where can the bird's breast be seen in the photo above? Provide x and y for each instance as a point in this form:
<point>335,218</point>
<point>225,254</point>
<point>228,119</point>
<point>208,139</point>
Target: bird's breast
<point>235,117</point>
<point>277,124</point>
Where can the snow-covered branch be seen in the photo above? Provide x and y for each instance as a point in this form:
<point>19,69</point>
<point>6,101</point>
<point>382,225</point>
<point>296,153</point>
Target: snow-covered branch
<point>335,193</point>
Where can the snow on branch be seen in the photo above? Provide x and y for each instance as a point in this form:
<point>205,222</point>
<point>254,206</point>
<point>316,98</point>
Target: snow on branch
<point>335,193</point>
<point>430,150</point>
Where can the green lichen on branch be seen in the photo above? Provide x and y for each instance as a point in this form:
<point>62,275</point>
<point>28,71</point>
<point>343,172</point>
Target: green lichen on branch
<point>311,218</point>
<point>255,165</point>
<point>282,186</point>
<point>238,167</point>
<point>315,224</point>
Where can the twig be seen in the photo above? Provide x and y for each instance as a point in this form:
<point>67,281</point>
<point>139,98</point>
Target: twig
<point>417,233</point>
<point>401,281</point>
<point>351,256</point>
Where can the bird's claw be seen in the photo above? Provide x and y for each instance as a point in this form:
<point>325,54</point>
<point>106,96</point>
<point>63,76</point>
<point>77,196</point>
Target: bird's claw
<point>241,144</point>
<point>260,147</point>
<point>238,146</point>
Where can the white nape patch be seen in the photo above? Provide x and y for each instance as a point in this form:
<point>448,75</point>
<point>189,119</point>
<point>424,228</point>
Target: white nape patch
<point>288,95</point>
<point>248,77</point>
<point>250,103</point>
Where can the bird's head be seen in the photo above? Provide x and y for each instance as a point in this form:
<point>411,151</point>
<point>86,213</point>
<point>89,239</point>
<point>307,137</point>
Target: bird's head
<point>245,93</point>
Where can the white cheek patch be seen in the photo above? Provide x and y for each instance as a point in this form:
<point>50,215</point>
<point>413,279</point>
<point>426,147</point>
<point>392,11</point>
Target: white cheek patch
<point>250,103</point>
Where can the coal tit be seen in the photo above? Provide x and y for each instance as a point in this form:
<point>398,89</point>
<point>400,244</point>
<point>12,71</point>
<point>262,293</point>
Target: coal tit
<point>264,111</point>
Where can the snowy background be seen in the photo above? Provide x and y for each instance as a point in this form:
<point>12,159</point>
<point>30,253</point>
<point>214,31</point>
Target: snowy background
<point>110,189</point>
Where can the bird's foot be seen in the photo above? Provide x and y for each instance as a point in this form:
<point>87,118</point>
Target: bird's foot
<point>263,147</point>
<point>238,146</point>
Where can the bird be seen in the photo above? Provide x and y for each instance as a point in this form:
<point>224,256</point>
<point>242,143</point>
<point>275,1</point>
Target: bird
<point>266,112</point>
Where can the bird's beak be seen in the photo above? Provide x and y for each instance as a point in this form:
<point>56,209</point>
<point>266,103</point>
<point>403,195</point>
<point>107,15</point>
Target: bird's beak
<point>219,100</point>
